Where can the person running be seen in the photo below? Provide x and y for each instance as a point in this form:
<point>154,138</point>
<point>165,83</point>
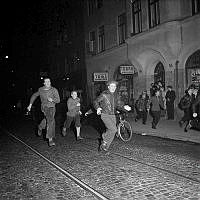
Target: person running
<point>73,114</point>
<point>49,98</point>
<point>105,105</point>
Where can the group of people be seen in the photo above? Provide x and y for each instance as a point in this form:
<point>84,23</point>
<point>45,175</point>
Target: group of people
<point>49,97</point>
<point>158,102</point>
<point>189,103</point>
<point>106,105</point>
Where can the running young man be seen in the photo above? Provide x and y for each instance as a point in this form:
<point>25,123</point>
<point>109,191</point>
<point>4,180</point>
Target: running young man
<point>73,114</point>
<point>106,105</point>
<point>49,98</point>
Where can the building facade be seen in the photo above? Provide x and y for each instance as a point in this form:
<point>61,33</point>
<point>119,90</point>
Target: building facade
<point>139,42</point>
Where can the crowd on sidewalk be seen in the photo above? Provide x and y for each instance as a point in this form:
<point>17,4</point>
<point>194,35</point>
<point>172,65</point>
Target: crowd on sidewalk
<point>161,104</point>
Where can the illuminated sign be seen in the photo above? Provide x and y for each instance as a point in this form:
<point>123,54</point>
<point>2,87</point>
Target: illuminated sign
<point>101,76</point>
<point>126,69</point>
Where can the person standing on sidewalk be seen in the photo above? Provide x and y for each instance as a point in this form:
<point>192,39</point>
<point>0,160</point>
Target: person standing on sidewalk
<point>170,98</point>
<point>106,104</point>
<point>155,105</point>
<point>73,114</point>
<point>141,107</point>
<point>185,104</point>
<point>49,98</point>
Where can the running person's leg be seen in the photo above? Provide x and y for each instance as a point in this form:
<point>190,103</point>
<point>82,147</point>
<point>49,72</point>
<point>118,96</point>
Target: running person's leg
<point>78,127</point>
<point>111,129</point>
<point>67,124</point>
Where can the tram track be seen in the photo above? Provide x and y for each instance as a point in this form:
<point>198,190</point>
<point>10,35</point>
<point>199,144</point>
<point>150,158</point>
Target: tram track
<point>80,183</point>
<point>146,164</point>
<point>93,148</point>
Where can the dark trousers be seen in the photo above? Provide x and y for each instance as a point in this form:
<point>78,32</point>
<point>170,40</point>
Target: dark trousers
<point>156,118</point>
<point>71,119</point>
<point>48,121</point>
<point>170,111</point>
<point>187,116</point>
<point>142,114</point>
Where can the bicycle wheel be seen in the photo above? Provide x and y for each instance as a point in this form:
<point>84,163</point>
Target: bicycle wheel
<point>125,131</point>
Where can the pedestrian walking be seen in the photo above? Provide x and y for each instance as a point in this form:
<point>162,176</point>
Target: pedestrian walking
<point>141,107</point>
<point>170,98</point>
<point>73,115</point>
<point>185,104</point>
<point>106,104</point>
<point>49,98</point>
<point>155,105</point>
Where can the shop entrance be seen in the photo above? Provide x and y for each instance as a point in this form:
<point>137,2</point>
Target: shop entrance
<point>192,68</point>
<point>159,74</point>
<point>124,74</point>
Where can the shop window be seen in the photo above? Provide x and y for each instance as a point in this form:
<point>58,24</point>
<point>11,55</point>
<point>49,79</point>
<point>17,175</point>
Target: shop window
<point>192,68</point>
<point>159,74</point>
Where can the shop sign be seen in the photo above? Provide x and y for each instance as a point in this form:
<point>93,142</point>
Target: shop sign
<point>126,69</point>
<point>101,76</point>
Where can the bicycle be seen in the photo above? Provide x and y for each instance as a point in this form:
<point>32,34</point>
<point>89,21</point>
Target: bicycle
<point>124,129</point>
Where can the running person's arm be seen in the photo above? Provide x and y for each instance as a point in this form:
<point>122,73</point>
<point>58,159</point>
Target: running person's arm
<point>32,99</point>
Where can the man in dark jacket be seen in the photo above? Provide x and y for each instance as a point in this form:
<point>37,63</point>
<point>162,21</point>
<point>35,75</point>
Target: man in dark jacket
<point>106,104</point>
<point>170,98</point>
<point>188,99</point>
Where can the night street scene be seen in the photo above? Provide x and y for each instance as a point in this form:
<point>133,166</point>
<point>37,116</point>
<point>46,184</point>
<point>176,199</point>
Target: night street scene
<point>100,100</point>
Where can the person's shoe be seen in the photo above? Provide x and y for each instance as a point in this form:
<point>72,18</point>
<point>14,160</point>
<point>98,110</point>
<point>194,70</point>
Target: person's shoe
<point>185,129</point>
<point>64,132</point>
<point>103,147</point>
<point>144,123</point>
<point>79,138</point>
<point>39,132</point>
<point>51,143</point>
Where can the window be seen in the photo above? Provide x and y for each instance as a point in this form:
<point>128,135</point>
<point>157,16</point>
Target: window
<point>195,7</point>
<point>99,3</point>
<point>122,28</point>
<point>136,16</point>
<point>92,41</point>
<point>91,7</point>
<point>154,13</point>
<point>101,39</point>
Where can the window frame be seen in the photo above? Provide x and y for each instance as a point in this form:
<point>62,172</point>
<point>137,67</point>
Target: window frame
<point>101,38</point>
<point>136,14</point>
<point>122,28</point>
<point>195,7</point>
<point>154,5</point>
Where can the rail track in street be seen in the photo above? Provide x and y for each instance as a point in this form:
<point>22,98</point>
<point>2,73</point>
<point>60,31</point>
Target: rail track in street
<point>92,148</point>
<point>61,170</point>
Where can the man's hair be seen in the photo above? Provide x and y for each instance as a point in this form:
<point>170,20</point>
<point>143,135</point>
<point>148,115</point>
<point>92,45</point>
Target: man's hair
<point>46,77</point>
<point>73,92</point>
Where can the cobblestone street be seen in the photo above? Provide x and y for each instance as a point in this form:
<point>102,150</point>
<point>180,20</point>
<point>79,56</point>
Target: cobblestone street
<point>144,168</point>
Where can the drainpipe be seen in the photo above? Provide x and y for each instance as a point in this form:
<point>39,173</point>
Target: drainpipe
<point>176,80</point>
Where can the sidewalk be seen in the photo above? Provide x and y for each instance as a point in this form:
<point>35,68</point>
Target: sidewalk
<point>165,129</point>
